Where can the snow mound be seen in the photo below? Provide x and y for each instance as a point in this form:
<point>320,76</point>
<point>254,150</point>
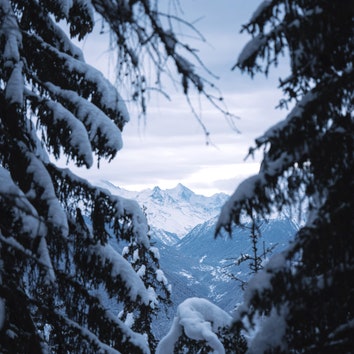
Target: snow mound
<point>199,319</point>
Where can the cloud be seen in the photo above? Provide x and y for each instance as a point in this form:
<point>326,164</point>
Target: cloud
<point>224,178</point>
<point>169,147</point>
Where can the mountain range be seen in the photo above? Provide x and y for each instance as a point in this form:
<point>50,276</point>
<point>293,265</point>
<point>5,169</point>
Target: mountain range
<point>193,260</point>
<point>172,213</point>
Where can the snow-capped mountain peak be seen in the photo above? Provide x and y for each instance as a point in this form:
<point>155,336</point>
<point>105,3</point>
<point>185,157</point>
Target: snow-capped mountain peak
<point>180,192</point>
<point>157,194</point>
<point>176,210</point>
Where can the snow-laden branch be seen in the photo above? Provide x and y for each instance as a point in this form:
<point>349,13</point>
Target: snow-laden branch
<point>70,131</point>
<point>260,186</point>
<point>82,75</point>
<point>198,319</point>
<point>9,29</point>
<point>15,86</point>
<point>32,225</point>
<point>121,268</point>
<point>118,206</point>
<point>42,182</point>
<point>103,133</point>
<point>18,198</point>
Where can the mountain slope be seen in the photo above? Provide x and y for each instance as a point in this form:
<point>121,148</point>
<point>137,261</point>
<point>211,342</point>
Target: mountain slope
<point>208,264</point>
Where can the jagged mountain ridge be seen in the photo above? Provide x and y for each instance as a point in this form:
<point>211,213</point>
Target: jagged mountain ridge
<point>172,213</point>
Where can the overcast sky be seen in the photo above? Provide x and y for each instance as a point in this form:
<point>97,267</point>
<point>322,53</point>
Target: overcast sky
<point>170,148</point>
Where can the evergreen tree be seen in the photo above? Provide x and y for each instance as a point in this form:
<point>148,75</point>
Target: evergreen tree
<point>146,263</point>
<point>255,259</point>
<point>307,291</point>
<point>54,264</point>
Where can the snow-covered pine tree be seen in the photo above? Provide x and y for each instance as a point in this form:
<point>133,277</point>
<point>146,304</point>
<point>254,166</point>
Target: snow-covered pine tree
<point>307,291</point>
<point>53,263</point>
<point>146,263</point>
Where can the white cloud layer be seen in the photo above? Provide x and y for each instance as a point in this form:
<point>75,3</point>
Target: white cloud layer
<point>170,148</point>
